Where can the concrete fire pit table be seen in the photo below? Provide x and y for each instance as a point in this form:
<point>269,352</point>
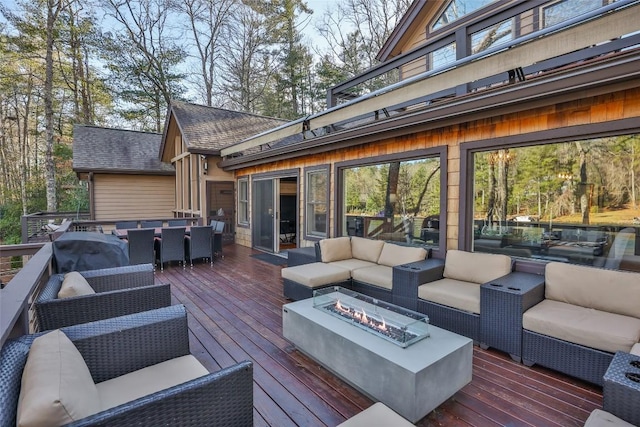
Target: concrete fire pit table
<point>412,381</point>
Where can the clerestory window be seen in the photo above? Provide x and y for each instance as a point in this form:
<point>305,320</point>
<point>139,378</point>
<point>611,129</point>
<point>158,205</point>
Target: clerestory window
<point>456,9</point>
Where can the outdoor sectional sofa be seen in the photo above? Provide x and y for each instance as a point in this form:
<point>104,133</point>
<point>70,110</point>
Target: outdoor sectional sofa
<point>586,316</point>
<point>363,265</point>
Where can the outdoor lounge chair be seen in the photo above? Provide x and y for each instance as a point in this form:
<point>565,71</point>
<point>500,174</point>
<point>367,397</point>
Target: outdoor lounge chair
<point>198,244</point>
<point>100,376</point>
<point>118,291</point>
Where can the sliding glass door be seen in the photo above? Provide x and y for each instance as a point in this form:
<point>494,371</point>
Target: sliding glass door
<point>263,214</point>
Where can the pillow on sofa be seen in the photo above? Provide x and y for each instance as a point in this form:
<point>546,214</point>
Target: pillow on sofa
<point>393,255</point>
<point>74,285</point>
<point>366,249</point>
<point>57,387</point>
<point>335,249</point>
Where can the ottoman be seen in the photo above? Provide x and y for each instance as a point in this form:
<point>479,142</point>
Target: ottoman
<point>376,415</point>
<point>300,281</point>
<point>621,390</point>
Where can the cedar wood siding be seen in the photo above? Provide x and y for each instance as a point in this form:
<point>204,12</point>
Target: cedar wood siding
<point>133,196</point>
<point>588,110</point>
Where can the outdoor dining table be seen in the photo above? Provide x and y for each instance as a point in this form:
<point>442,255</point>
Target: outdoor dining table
<point>122,233</point>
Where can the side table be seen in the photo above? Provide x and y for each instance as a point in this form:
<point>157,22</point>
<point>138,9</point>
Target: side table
<point>502,303</point>
<point>621,390</point>
<point>407,278</point>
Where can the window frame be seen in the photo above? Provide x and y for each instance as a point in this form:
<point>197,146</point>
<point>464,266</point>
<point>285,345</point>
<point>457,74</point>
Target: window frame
<point>439,152</point>
<point>552,136</point>
<point>307,235</point>
<point>246,223</point>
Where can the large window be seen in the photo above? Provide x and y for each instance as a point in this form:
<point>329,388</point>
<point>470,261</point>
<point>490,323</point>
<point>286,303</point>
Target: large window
<point>316,196</point>
<point>566,9</point>
<point>456,9</point>
<point>575,202</point>
<point>393,201</point>
<point>243,201</point>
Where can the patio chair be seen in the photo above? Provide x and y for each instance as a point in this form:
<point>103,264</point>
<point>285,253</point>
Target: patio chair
<point>177,223</point>
<point>111,292</point>
<point>151,224</point>
<point>170,246</point>
<point>121,225</point>
<point>199,244</point>
<point>218,228</point>
<point>130,370</point>
<point>141,246</point>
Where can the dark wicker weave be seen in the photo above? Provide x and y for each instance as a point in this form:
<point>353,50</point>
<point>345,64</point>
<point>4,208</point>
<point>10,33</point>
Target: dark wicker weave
<point>621,394</point>
<point>296,291</point>
<point>502,303</point>
<point>576,360</point>
<point>123,225</point>
<point>300,256</point>
<point>451,319</point>
<point>372,290</point>
<point>151,224</point>
<point>170,247</point>
<point>407,278</point>
<point>119,291</point>
<point>117,346</point>
<point>198,244</point>
<point>141,246</point>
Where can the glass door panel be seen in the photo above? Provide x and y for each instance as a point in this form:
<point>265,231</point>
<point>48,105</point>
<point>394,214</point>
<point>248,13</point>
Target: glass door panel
<point>263,215</point>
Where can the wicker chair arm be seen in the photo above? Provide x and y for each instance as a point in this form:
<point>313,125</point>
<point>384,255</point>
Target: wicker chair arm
<point>58,313</point>
<point>223,398</point>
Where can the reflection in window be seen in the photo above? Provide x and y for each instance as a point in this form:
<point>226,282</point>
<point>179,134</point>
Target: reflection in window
<point>316,205</point>
<point>456,9</point>
<point>443,56</point>
<point>396,201</point>
<point>496,34</point>
<point>575,202</point>
<point>566,9</point>
<point>243,201</point>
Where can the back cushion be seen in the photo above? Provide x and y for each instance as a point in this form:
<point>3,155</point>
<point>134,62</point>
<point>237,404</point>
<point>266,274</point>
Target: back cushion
<point>475,267</point>
<point>366,249</point>
<point>606,290</point>
<point>73,285</point>
<point>393,255</point>
<point>335,249</point>
<point>57,387</point>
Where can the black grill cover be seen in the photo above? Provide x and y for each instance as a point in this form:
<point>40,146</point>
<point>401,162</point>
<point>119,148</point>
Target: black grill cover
<point>82,250</point>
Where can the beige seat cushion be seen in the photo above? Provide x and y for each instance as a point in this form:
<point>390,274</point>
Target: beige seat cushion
<point>452,293</point>
<point>585,326</point>
<point>353,264</point>
<point>376,415</point>
<point>475,267</point>
<point>600,418</point>
<point>393,255</point>
<point>635,349</point>
<point>366,249</point>
<point>74,285</point>
<point>316,274</point>
<point>335,249</point>
<point>605,290</point>
<point>57,387</point>
<point>149,380</point>
<point>378,275</point>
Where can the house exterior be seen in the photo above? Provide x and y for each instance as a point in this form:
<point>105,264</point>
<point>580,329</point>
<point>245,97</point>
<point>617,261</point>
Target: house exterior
<point>513,127</point>
<point>125,176</point>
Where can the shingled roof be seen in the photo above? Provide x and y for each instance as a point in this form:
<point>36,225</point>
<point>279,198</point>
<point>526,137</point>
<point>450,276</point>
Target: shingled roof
<point>208,129</point>
<point>97,149</point>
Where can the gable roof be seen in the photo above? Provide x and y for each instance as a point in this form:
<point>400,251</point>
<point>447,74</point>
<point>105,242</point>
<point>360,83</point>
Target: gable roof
<point>207,130</point>
<point>106,150</point>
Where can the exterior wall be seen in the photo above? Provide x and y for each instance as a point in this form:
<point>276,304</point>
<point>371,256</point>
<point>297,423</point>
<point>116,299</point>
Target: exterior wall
<point>590,110</point>
<point>133,196</point>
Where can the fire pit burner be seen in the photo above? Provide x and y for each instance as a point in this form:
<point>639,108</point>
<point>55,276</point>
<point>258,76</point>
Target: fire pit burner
<point>396,324</point>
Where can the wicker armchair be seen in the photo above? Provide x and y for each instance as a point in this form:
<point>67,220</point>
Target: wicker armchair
<point>199,244</point>
<point>119,291</point>
<point>223,398</point>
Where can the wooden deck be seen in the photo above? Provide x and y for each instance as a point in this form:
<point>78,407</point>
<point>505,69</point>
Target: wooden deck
<point>235,314</point>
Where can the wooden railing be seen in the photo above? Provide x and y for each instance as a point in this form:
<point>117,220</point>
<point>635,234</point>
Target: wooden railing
<point>17,296</point>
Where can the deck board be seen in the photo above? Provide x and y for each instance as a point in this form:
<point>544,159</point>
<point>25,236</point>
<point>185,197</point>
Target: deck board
<point>235,313</point>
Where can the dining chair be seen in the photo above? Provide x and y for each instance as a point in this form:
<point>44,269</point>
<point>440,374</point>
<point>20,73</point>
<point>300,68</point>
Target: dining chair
<point>151,224</point>
<point>141,246</point>
<point>198,244</point>
<point>218,227</point>
<point>177,222</point>
<point>120,225</point>
<point>170,246</point>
